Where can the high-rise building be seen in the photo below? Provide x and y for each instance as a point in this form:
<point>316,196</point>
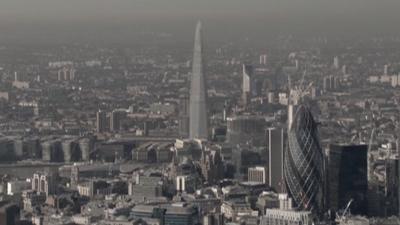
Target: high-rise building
<point>86,145</point>
<point>263,59</point>
<point>347,177</point>
<point>101,121</point>
<point>251,87</point>
<point>344,69</point>
<point>286,217</point>
<point>386,69</point>
<point>304,163</point>
<point>391,187</point>
<point>115,120</point>
<point>66,74</point>
<point>248,80</point>
<point>198,122</point>
<point>336,63</point>
<point>275,149</point>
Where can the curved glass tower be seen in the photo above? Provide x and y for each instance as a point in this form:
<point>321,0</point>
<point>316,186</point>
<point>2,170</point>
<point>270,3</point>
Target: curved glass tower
<point>303,162</point>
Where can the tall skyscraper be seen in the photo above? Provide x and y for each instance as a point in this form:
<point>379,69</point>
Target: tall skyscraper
<point>247,78</point>
<point>101,120</point>
<point>248,83</point>
<point>304,163</point>
<point>386,69</point>
<point>115,120</point>
<point>198,124</point>
<point>347,177</point>
<point>263,59</point>
<point>275,149</point>
<point>336,63</point>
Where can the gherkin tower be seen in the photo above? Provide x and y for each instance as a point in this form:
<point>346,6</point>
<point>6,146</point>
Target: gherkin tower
<point>304,162</point>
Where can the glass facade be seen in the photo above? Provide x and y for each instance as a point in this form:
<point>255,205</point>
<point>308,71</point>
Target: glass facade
<point>304,162</point>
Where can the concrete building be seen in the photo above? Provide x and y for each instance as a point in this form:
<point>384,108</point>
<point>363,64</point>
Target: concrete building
<point>263,59</point>
<point>235,210</point>
<point>185,183</point>
<point>336,62</point>
<point>146,187</point>
<point>267,200</point>
<point>347,177</point>
<point>275,150</point>
<point>115,120</point>
<point>212,166</point>
<point>44,182</point>
<point>257,174</point>
<point>286,217</point>
<point>169,214</point>
<point>248,83</point>
<point>17,186</point>
<point>101,121</point>
<point>286,214</point>
<point>31,199</point>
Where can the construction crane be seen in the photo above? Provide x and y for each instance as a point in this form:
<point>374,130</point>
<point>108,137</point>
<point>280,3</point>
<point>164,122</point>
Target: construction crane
<point>346,212</point>
<point>296,94</point>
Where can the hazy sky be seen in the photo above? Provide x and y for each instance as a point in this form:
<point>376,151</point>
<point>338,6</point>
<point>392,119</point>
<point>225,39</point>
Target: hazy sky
<point>374,16</point>
<point>97,9</point>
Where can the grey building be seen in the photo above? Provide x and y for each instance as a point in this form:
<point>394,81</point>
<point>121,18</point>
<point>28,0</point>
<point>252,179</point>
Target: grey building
<point>198,124</point>
<point>275,149</point>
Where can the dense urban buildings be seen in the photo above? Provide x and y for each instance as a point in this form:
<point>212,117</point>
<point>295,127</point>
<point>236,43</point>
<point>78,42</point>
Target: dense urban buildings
<point>120,121</point>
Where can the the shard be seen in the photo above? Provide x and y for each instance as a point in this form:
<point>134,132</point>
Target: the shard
<point>198,93</point>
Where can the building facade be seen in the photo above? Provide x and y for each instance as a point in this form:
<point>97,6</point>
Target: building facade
<point>257,174</point>
<point>347,177</point>
<point>198,119</point>
<point>275,149</point>
<point>304,163</point>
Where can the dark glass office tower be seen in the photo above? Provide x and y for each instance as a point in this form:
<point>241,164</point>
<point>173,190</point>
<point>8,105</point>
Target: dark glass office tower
<point>347,178</point>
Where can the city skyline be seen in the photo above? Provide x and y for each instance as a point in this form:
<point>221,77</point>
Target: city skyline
<point>132,112</point>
